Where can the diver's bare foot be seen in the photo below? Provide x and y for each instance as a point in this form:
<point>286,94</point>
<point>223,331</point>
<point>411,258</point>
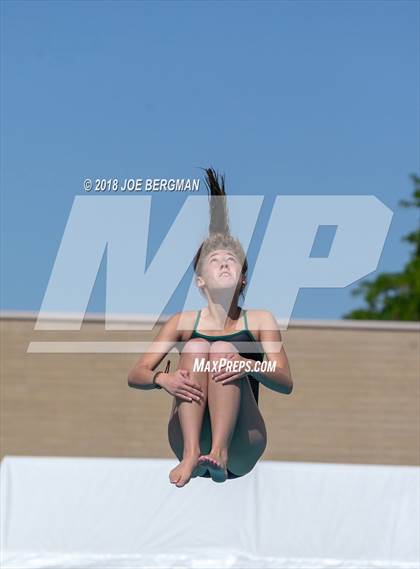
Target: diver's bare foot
<point>181,474</point>
<point>216,462</point>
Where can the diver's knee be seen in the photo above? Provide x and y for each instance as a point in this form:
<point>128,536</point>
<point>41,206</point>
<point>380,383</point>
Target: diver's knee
<point>196,346</point>
<point>221,347</point>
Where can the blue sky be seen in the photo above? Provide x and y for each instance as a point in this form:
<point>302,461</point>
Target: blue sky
<point>287,98</point>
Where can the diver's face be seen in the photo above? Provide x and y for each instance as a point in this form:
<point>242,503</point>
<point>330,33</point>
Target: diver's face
<point>221,270</point>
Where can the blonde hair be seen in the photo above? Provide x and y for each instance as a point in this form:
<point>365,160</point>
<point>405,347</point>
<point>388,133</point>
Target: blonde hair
<point>219,232</point>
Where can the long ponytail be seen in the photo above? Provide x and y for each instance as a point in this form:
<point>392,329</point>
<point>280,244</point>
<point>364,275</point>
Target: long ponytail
<point>219,231</point>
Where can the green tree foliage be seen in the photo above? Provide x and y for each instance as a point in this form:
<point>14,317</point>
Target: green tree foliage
<point>394,296</point>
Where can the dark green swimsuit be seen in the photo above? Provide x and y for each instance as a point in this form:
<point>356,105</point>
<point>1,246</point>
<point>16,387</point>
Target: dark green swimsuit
<point>244,335</point>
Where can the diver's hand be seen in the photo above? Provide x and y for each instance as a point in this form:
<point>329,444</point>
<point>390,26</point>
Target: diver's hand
<point>224,376</point>
<point>179,384</point>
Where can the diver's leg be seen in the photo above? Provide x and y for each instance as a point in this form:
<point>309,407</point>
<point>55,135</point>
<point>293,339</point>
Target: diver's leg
<point>224,402</point>
<point>238,431</point>
<point>249,439</point>
<point>185,423</point>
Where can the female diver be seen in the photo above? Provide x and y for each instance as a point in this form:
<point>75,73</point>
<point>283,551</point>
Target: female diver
<point>215,428</point>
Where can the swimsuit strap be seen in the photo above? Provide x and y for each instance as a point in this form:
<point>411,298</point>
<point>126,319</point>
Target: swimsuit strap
<point>246,320</point>
<point>196,320</point>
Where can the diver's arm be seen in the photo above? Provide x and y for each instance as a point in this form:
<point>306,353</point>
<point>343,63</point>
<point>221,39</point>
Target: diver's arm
<point>141,375</point>
<point>269,335</point>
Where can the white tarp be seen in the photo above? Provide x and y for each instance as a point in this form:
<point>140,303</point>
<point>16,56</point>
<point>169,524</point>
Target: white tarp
<point>124,513</point>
